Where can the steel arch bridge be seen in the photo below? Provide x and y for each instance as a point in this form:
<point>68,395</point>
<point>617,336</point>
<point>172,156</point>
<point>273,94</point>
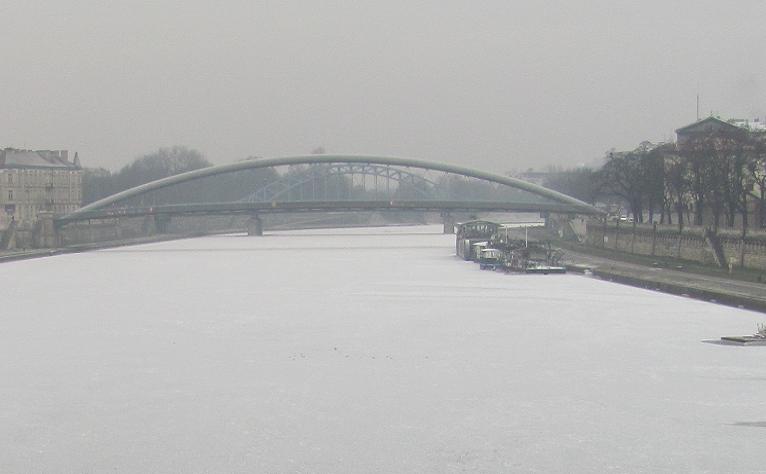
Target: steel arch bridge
<point>399,184</point>
<point>319,175</point>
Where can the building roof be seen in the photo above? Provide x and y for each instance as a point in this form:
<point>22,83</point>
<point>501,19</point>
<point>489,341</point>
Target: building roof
<point>706,125</point>
<point>57,159</point>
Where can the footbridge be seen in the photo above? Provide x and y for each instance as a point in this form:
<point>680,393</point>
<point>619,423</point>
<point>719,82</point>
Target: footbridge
<point>328,183</point>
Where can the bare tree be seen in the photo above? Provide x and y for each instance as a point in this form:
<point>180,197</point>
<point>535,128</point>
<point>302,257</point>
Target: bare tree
<point>696,159</point>
<point>675,184</point>
<point>756,167</point>
<point>164,162</point>
<point>636,177</point>
<point>581,183</point>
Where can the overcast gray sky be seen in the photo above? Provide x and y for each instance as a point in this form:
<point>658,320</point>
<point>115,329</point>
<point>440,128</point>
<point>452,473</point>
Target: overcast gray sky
<point>491,84</point>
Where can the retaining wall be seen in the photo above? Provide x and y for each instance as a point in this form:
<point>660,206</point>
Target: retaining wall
<point>688,244</point>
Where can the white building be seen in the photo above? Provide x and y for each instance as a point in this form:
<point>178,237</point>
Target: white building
<point>37,181</point>
<point>754,125</point>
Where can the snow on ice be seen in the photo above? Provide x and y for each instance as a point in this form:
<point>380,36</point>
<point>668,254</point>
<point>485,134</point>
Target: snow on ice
<point>366,350</point>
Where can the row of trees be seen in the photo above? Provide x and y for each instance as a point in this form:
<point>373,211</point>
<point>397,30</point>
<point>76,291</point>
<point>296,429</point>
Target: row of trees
<point>99,182</point>
<point>709,179</point>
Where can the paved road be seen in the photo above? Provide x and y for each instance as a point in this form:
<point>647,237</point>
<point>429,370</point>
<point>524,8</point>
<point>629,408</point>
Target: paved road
<point>723,290</point>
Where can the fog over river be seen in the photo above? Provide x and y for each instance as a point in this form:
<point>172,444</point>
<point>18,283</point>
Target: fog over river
<point>366,350</point>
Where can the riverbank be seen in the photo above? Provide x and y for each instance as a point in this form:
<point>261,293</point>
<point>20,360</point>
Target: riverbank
<point>741,288</point>
<point>708,287</point>
<point>686,266</point>
<point>12,256</point>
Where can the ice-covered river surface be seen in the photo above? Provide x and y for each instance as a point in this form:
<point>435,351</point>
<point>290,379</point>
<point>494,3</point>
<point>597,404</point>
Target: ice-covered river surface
<point>370,350</point>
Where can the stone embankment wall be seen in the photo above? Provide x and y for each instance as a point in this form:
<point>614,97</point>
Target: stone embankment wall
<point>137,227</point>
<point>692,243</point>
<point>42,235</point>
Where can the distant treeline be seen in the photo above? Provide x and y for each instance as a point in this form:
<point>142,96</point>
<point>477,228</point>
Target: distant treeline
<point>99,182</point>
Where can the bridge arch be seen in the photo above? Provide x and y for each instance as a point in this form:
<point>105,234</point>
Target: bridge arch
<point>563,202</point>
<point>285,184</point>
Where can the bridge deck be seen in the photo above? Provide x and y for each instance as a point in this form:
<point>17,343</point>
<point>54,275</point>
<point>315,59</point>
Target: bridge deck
<point>316,206</point>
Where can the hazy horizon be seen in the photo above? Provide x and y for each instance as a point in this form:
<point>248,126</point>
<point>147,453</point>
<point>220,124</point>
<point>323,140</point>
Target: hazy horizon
<point>498,86</point>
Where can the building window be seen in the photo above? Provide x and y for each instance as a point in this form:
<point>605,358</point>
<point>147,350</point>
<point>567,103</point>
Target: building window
<point>10,195</point>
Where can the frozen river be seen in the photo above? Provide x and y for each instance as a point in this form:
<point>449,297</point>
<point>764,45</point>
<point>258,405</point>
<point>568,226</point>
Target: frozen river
<point>371,350</point>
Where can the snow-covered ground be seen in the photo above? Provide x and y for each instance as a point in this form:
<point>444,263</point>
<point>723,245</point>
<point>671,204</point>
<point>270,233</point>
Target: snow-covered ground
<point>364,350</point>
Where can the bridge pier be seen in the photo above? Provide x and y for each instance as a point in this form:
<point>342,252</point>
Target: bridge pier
<point>8,240</point>
<point>161,223</point>
<point>46,234</point>
<point>147,226</point>
<point>255,225</point>
<point>449,223</point>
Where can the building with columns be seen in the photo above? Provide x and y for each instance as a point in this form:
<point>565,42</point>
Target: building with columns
<point>35,181</point>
